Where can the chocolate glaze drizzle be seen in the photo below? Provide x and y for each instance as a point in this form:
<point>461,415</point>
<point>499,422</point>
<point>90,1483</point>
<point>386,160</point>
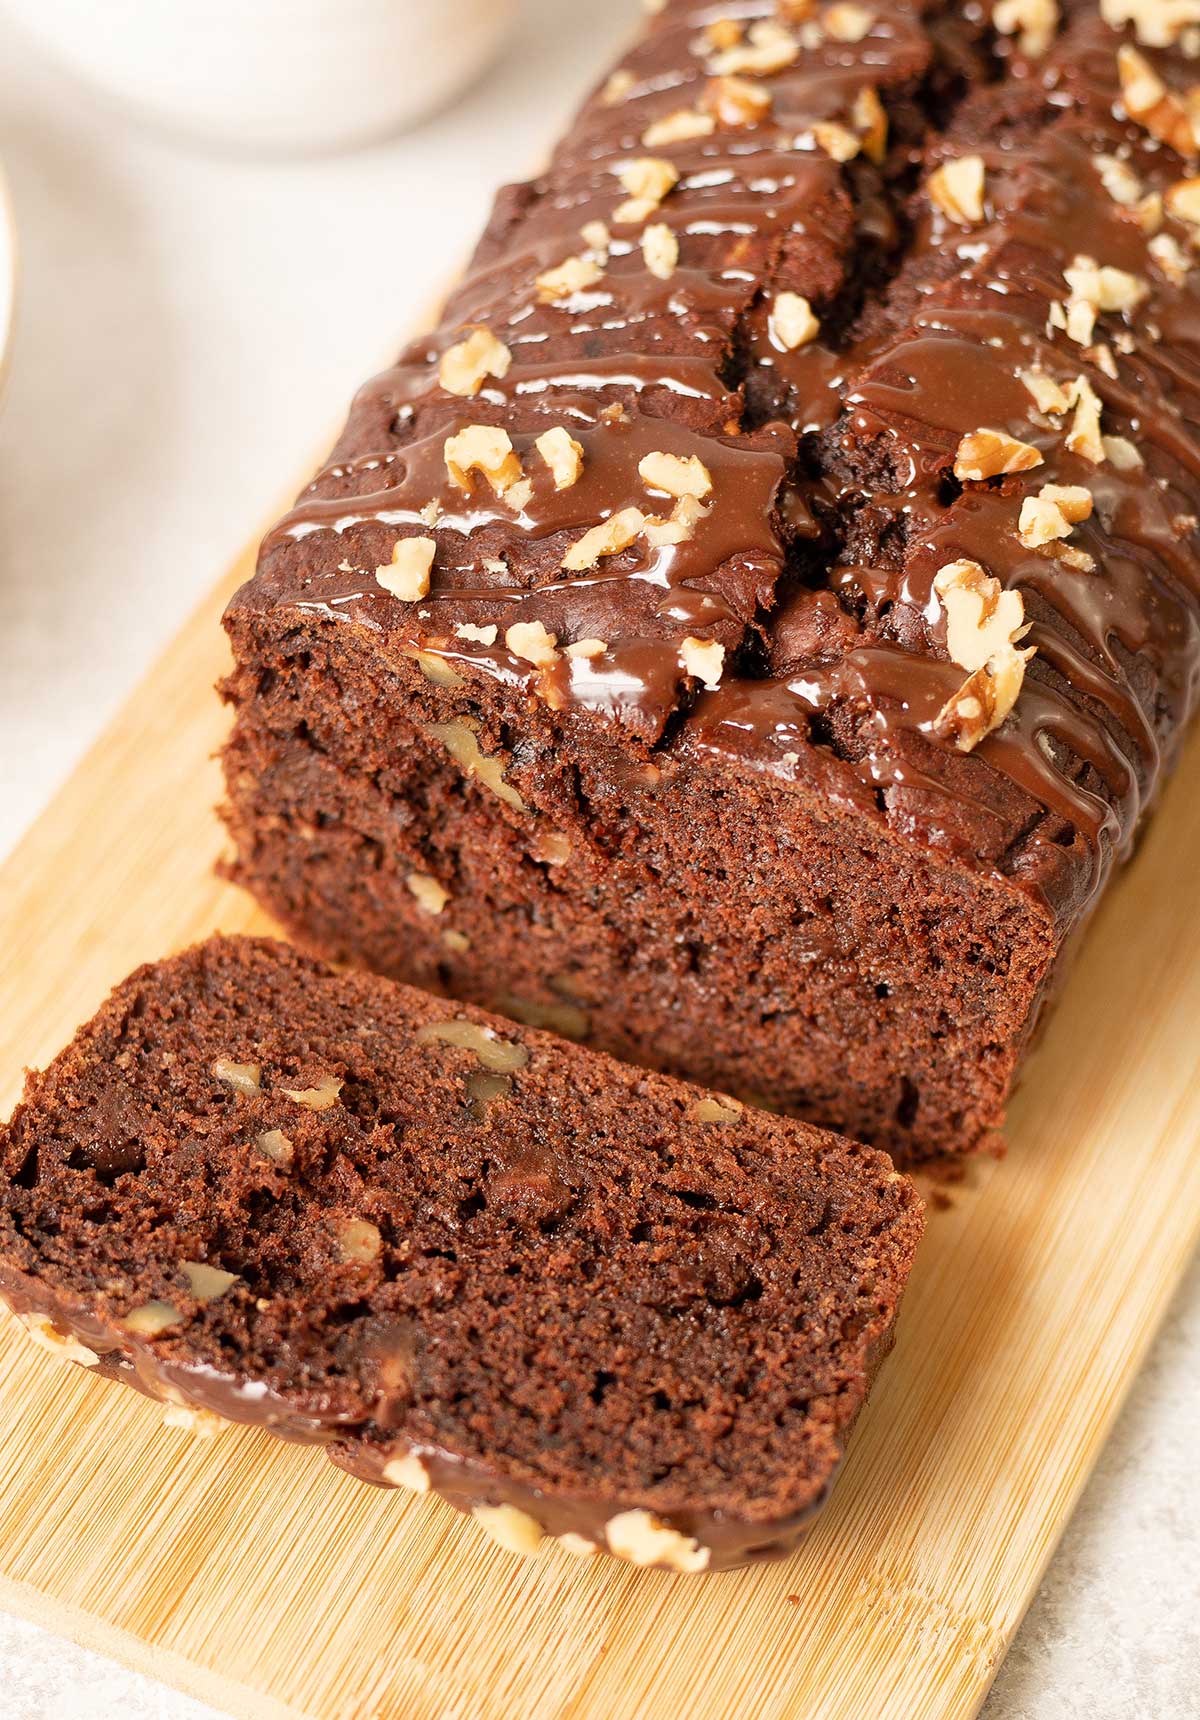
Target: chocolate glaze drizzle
<point>833,501</point>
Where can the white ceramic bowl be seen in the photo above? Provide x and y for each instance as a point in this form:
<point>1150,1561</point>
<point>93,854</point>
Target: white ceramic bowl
<point>8,274</point>
<point>273,75</point>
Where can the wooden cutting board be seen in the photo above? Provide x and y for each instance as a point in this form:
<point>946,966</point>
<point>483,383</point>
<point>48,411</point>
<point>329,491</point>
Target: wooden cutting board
<point>258,1577</point>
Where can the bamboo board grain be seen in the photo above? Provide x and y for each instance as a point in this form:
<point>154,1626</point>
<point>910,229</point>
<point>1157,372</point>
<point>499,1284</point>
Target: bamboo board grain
<point>255,1575</point>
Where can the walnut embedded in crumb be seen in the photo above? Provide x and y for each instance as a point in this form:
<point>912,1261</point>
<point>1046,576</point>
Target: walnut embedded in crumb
<point>678,127</point>
<point>62,1345</point>
<point>436,670</point>
<point>660,248</point>
<point>574,275</point>
<point>563,454</point>
<point>993,454</point>
<point>318,1098</point>
<point>515,1531</point>
<point>792,322</point>
<point>187,1418</point>
<point>957,189</point>
<point>151,1318</point>
<point>504,1056</point>
<point>407,575</point>
<point>1033,22</point>
<point>981,617</point>
<point>984,700</point>
<point>359,1242</point>
<point>766,48</point>
<point>278,1148</point>
<point>712,1109</point>
<point>431,898</point>
<point>551,848</point>
<point>407,1471</point>
<point>736,102</point>
<point>643,1539</point>
<point>530,641</point>
<point>242,1077</point>
<point>462,743</point>
<point>207,1283</point>
<point>457,942</point>
<point>677,475</point>
<point>610,537</point>
<point>464,367</point>
<point>705,659</point>
<point>845,22</point>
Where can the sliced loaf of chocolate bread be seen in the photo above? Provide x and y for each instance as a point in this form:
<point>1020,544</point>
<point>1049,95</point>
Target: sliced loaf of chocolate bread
<point>573,1298</point>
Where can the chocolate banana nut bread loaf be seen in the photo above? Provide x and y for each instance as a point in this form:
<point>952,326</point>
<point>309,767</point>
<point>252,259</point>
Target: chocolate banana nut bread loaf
<point>748,631</point>
<point>572,1297</point>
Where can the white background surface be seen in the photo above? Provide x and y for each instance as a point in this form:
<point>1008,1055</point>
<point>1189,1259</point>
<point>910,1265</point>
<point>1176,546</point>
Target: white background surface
<point>190,331</point>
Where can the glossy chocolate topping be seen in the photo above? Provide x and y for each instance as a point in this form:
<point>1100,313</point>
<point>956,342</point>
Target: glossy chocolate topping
<point>1015,260</point>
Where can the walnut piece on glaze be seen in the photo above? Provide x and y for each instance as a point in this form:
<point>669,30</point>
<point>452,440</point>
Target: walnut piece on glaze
<point>207,1283</point>
<point>1033,22</point>
<point>503,1056</point>
<point>597,237</point>
<point>956,188</point>
<point>792,323</point>
<point>151,1318</point>
<point>1053,513</point>
<point>1120,452</point>
<point>530,641</point>
<point>318,1098</point>
<point>1156,23</point>
<point>846,22</point>
<point>678,127</point>
<point>407,575</point>
<point>679,527</point>
<point>587,648</point>
<point>610,537</point>
<point>871,123</point>
<point>430,896</point>
<point>838,141</point>
<point>1084,436</point>
<point>675,474</point>
<point>1153,106</point>
<point>244,1078</point>
<point>515,1531</point>
<point>993,454</point>
<point>736,102</point>
<point>767,48</point>
<point>984,700</point>
<point>1183,201</point>
<point>982,618</point>
<point>573,275</point>
<point>1048,395</point>
<point>407,1471</point>
<point>640,1538</point>
<point>188,1418</point>
<point>483,448</point>
<point>705,659</point>
<point>618,86</point>
<point>564,456</point>
<point>464,367</point>
<point>660,248</point>
<point>42,1331</point>
<point>647,179</point>
<point>1171,258</point>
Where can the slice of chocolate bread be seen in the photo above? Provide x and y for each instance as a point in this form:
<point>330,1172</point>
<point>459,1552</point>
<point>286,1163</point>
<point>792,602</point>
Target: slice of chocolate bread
<point>571,1297</point>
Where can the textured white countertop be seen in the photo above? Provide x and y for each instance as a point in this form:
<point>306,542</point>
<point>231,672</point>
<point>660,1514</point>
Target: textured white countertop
<point>190,328</point>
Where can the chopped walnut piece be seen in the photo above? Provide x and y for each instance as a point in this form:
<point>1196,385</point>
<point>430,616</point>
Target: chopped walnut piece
<point>483,448</point>
<point>504,1056</point>
<point>570,277</point>
<point>530,640</point>
<point>1120,452</point>
<point>207,1283</point>
<point>407,576</point>
<point>617,87</point>
<point>981,616</point>
<point>660,248</point>
<point>679,127</point>
<point>735,102</point>
<point>610,537</point>
<point>1171,258</point>
<point>792,322</point>
<point>463,367</point>
<point>648,179</point>
<point>1035,20</point>
<point>1183,200</point>
<point>436,670</point>
<point>151,1319</point>
<point>318,1098</point>
<point>407,1471</point>
<point>1049,396</point>
<point>705,659</point>
<point>563,454</point>
<point>993,454</point>
<point>462,743</point>
<point>845,22</point>
<point>1119,180</point>
<point>359,1242</point>
<point>838,141</point>
<point>242,1077</point>
<point>62,1345</point>
<point>1084,435</point>
<point>515,1531</point>
<point>430,897</point>
<point>1101,356</point>
<point>277,1147</point>
<point>431,512</point>
<point>714,1110</point>
<point>1149,102</point>
<point>643,1539</point>
<point>721,33</point>
<point>478,635</point>
<point>456,941</point>
<point>1097,288</point>
<point>1052,513</point>
<point>871,123</point>
<point>984,699</point>
<point>588,648</point>
<point>677,475</point>
<point>597,237</point>
<point>680,527</point>
<point>767,48</point>
<point>1157,23</point>
<point>956,188</point>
